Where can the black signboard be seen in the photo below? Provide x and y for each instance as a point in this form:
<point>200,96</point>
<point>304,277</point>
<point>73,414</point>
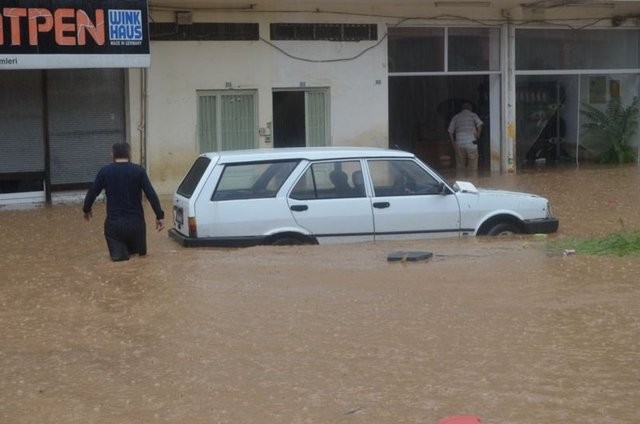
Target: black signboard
<point>73,34</point>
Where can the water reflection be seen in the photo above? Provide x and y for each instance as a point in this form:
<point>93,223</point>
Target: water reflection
<point>503,329</point>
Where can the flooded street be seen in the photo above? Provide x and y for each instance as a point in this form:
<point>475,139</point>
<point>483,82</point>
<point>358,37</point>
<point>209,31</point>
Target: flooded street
<point>503,329</point>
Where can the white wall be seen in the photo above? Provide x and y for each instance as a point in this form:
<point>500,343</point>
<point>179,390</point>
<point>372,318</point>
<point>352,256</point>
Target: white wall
<point>358,91</point>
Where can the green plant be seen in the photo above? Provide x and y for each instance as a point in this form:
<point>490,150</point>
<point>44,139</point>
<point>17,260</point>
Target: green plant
<point>619,244</point>
<point>611,130</point>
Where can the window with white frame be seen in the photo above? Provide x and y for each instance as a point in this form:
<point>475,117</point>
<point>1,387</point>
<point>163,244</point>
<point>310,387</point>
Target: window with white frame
<point>430,49</point>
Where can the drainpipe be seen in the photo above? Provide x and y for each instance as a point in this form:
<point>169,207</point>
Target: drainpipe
<point>579,125</point>
<point>142,126</point>
<point>45,135</point>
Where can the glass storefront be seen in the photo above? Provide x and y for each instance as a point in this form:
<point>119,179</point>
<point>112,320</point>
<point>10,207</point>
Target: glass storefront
<point>546,113</point>
<point>416,49</point>
<point>473,49</point>
<point>432,72</point>
<point>597,90</point>
<point>422,49</point>
<point>564,49</point>
<point>557,77</point>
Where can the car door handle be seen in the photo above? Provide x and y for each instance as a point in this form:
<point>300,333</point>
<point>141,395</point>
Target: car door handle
<point>299,208</point>
<point>381,205</point>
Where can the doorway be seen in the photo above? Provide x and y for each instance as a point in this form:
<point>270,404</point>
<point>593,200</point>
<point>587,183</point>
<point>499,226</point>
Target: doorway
<point>300,118</point>
<point>421,107</point>
<point>288,119</point>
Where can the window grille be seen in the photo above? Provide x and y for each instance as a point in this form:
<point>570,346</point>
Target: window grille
<point>328,32</point>
<point>228,31</point>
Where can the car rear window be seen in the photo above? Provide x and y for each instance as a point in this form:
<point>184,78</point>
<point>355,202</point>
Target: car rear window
<point>190,181</point>
<point>253,180</point>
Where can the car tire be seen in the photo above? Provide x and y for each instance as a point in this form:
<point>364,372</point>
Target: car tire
<point>286,241</point>
<point>503,229</point>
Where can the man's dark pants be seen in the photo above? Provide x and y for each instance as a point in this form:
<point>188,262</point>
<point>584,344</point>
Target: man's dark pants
<point>125,237</point>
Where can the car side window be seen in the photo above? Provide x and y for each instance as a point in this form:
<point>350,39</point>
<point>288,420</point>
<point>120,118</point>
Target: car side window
<point>252,180</point>
<point>330,180</point>
<point>401,177</point>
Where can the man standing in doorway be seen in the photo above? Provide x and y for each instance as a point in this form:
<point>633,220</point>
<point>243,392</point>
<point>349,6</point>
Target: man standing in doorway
<point>464,132</point>
<point>124,183</point>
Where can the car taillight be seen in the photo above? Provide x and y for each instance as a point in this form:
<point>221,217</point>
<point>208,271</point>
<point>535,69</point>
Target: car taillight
<point>193,228</point>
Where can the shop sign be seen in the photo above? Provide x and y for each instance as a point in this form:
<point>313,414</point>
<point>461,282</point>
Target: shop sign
<point>43,34</point>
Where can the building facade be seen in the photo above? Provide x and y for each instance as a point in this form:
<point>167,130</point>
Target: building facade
<point>305,73</point>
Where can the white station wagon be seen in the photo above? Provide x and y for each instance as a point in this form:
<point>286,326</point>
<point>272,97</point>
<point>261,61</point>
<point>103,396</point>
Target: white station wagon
<point>338,194</point>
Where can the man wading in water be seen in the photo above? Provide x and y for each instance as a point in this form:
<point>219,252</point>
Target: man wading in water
<point>124,183</point>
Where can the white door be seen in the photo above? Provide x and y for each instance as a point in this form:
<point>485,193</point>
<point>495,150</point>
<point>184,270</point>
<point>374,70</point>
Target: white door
<point>408,203</point>
<point>316,118</point>
<point>327,203</point>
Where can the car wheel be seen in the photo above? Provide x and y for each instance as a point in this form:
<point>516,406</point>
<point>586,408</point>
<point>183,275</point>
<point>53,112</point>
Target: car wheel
<point>503,229</point>
<point>286,241</point>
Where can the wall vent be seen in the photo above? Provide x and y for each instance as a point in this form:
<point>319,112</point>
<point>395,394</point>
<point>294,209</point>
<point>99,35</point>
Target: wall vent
<point>327,32</point>
<point>203,31</point>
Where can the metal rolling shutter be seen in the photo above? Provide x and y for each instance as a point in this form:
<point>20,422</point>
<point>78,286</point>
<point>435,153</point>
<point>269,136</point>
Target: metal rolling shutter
<point>86,116</point>
<point>21,124</point>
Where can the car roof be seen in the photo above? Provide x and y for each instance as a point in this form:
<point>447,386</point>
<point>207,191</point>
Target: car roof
<point>309,153</point>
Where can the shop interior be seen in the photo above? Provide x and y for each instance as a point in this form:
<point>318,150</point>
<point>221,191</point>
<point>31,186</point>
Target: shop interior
<point>546,133</point>
<point>420,108</point>
<point>550,124</point>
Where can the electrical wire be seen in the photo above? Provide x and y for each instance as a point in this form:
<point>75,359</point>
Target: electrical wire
<point>485,22</point>
<point>562,23</point>
<point>346,59</point>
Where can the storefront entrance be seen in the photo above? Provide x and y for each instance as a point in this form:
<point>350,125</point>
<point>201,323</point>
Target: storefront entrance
<point>432,72</point>
<point>421,107</point>
<point>57,129</point>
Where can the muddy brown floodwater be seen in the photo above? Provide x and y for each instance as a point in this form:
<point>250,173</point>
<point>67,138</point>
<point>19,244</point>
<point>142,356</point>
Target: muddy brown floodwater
<point>503,329</point>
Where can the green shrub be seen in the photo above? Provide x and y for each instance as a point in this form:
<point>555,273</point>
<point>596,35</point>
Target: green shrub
<point>611,131</point>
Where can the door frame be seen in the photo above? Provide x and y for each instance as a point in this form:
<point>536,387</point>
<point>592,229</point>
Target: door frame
<point>327,110</point>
